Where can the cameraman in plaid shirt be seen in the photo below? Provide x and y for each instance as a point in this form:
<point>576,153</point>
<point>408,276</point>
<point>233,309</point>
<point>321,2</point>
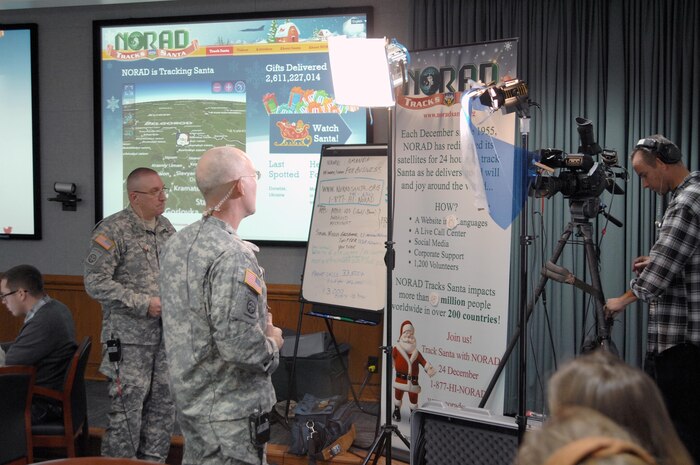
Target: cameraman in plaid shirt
<point>669,280</point>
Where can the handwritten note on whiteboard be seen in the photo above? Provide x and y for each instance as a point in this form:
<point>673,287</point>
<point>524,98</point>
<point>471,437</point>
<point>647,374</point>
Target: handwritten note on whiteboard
<point>345,253</point>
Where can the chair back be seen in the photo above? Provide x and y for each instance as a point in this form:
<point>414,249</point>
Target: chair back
<point>16,383</point>
<point>75,389</point>
<point>73,400</point>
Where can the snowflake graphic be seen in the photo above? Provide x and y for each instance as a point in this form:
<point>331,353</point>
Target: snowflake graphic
<point>508,45</point>
<point>113,104</point>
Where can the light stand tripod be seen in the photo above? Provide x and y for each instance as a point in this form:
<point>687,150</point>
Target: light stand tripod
<point>383,439</point>
<point>582,210</point>
<point>386,61</point>
<point>509,97</point>
<point>524,242</point>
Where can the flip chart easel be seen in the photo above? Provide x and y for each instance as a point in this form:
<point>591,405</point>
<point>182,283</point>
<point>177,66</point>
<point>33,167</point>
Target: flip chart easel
<point>344,270</point>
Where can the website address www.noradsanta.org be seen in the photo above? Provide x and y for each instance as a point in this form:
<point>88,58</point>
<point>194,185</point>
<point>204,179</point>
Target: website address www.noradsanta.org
<point>444,114</point>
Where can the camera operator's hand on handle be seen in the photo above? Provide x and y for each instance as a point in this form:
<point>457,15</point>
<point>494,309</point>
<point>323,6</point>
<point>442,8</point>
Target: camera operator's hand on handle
<point>273,332</point>
<point>639,263</point>
<point>617,304</point>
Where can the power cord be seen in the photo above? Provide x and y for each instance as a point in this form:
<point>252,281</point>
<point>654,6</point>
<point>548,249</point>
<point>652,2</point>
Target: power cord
<point>114,353</point>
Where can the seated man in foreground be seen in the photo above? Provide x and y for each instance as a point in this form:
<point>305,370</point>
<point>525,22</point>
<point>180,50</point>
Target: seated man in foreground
<point>46,339</point>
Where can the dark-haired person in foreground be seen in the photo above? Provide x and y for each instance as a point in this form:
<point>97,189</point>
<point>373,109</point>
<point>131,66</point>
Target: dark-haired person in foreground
<point>121,272</point>
<point>46,339</point>
<point>669,280</point>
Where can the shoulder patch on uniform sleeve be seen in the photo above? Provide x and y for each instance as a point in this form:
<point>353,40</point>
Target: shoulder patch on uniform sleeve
<point>252,307</point>
<point>253,281</point>
<point>104,241</point>
<point>94,255</point>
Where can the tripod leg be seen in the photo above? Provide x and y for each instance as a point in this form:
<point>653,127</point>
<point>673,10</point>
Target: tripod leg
<point>603,325</point>
<point>383,440</point>
<point>401,436</point>
<point>385,443</point>
<point>376,447</point>
<point>538,291</point>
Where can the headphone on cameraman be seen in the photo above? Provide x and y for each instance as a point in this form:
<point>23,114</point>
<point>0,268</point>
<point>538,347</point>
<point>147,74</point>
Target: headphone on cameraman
<point>668,152</point>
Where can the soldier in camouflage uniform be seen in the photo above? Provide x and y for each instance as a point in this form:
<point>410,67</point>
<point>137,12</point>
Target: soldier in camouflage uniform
<point>219,337</point>
<point>121,272</point>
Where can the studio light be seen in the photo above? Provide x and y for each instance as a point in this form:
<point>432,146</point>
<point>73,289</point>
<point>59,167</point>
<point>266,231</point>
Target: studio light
<point>366,71</point>
<point>509,97</point>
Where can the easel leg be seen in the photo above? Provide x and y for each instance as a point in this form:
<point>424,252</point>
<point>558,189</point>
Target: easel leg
<point>292,380</point>
<point>346,373</point>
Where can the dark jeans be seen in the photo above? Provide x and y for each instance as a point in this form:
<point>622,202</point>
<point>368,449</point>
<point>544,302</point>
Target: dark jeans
<point>677,373</point>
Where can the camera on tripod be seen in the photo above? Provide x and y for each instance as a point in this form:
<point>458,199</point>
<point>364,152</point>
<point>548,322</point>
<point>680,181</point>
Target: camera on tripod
<point>580,176</point>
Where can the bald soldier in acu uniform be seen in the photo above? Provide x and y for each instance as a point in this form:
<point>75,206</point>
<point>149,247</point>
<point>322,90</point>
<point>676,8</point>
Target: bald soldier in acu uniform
<point>221,343</point>
<point>121,272</point>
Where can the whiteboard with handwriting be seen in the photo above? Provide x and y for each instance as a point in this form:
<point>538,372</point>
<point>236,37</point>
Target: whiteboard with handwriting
<point>347,239</point>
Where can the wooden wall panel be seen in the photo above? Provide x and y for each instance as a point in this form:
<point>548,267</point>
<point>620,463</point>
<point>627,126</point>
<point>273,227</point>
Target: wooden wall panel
<point>364,340</point>
<point>283,300</point>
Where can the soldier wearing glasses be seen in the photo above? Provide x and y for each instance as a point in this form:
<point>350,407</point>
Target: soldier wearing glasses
<point>121,272</point>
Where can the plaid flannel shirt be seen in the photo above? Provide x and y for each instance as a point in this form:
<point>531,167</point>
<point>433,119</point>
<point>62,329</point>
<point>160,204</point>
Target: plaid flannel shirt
<point>671,281</point>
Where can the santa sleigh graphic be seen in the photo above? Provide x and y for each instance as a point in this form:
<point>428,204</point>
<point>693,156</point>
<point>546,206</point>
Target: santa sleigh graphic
<point>293,134</point>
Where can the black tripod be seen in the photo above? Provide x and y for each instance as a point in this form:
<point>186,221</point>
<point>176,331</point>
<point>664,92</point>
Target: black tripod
<point>383,439</point>
<point>582,210</point>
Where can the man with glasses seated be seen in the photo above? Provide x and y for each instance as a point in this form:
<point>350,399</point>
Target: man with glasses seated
<point>121,272</point>
<point>46,340</point>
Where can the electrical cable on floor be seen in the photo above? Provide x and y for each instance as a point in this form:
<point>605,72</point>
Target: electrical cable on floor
<point>126,416</point>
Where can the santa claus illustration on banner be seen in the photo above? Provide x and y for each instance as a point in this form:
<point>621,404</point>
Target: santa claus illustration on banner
<point>406,360</point>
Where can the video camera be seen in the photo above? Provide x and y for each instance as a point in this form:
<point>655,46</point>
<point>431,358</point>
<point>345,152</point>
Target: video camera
<point>580,176</point>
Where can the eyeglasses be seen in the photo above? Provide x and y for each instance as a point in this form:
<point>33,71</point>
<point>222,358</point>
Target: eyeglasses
<point>155,193</point>
<point>256,176</point>
<point>4,296</point>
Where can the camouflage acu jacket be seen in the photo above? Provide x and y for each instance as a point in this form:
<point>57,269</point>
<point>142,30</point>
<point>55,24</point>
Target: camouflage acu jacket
<point>121,272</point>
<point>214,320</point>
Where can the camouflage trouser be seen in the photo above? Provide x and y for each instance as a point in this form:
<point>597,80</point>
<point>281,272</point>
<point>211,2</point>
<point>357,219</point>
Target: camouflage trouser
<point>218,443</point>
<point>145,396</point>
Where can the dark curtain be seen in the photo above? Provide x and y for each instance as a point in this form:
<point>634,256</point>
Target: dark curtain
<point>633,68</point>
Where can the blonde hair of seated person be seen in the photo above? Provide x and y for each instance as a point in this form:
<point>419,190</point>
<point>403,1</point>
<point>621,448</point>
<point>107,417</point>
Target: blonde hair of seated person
<point>603,382</point>
<point>580,435</point>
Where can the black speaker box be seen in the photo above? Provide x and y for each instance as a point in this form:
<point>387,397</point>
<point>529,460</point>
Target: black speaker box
<point>473,436</point>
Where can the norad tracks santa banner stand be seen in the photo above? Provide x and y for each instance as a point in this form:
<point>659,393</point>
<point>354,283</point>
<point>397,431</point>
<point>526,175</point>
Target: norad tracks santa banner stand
<point>454,207</point>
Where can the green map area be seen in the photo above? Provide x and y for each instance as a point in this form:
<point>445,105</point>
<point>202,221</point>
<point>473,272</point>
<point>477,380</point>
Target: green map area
<point>169,136</point>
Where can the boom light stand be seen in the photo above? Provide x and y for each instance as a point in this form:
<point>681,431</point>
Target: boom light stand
<point>380,67</point>
<point>513,96</point>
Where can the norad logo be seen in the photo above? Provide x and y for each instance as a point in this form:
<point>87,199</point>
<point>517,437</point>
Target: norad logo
<point>164,40</point>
